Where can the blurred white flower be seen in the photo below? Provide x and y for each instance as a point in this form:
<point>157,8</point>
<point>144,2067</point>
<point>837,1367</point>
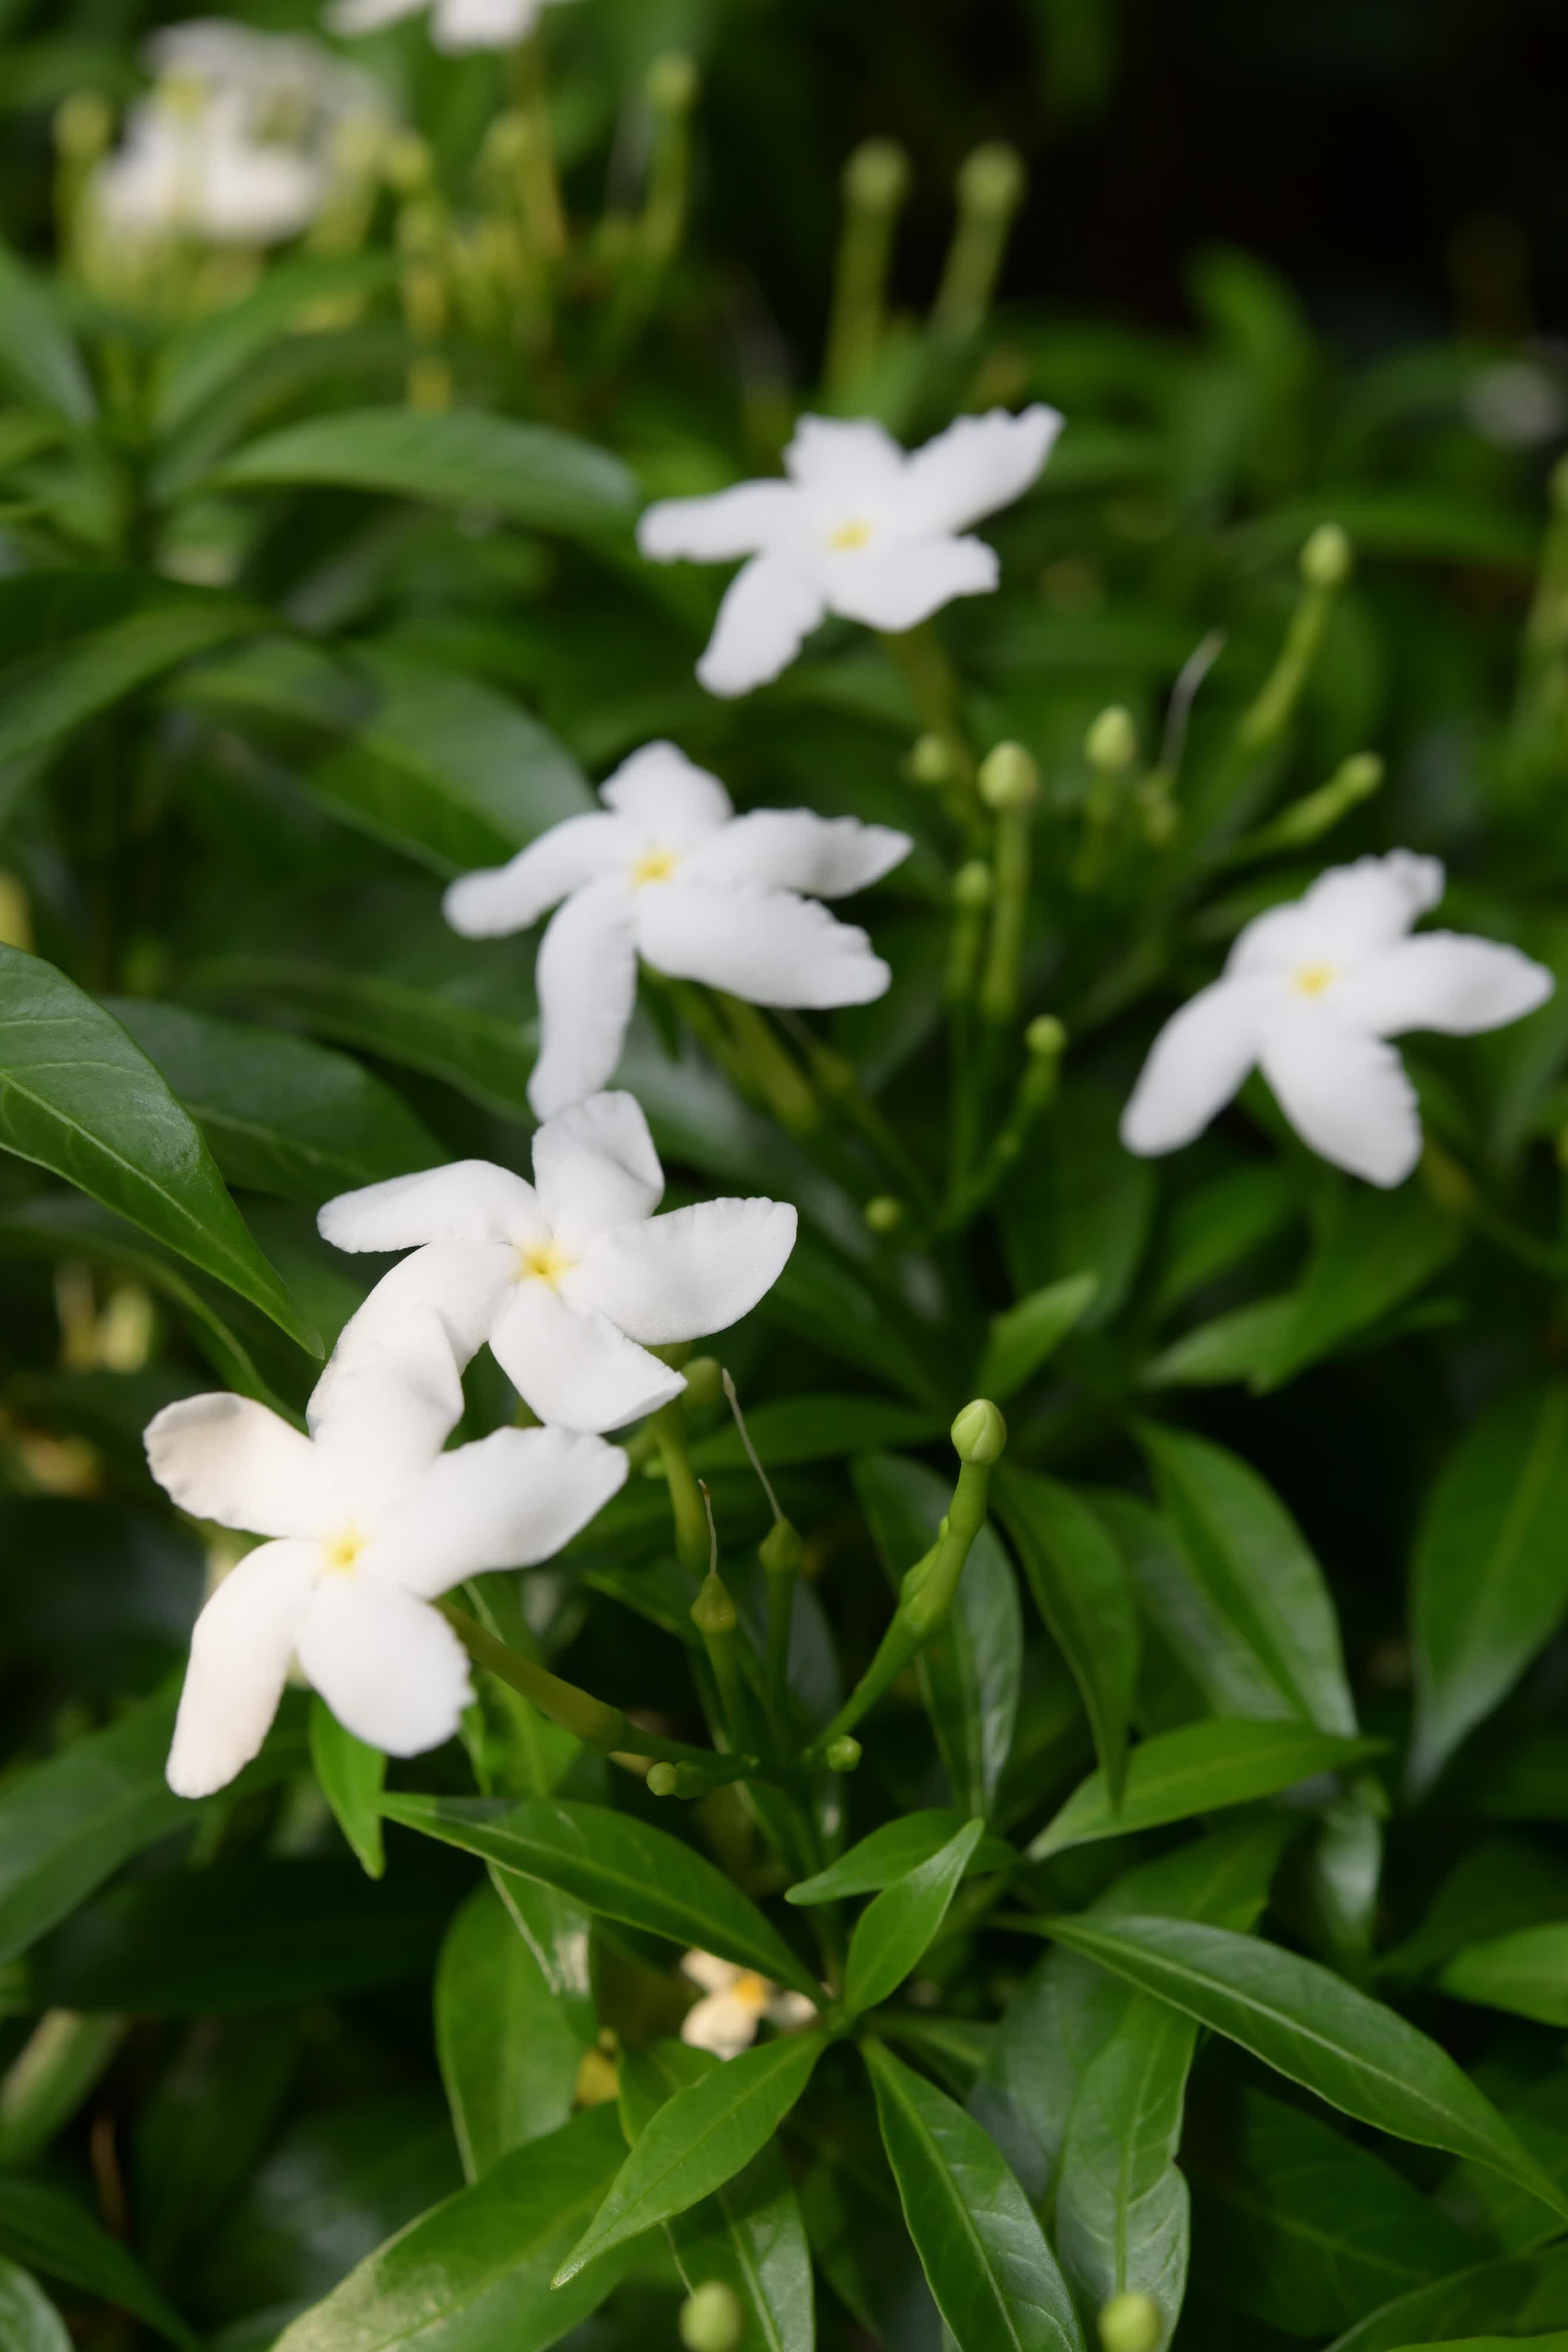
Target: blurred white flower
<point>572,1279</point>
<point>1515,405</point>
<point>861,528</point>
<point>669,873</point>
<point>371,1521</point>
<point>1309,994</point>
<point>189,167</point>
<point>738,2003</point>
<point>269,71</point>
<point>454,25</point>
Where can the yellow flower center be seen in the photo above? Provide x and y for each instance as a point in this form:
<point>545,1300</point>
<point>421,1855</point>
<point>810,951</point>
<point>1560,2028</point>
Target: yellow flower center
<point>1313,979</point>
<point>849,535</point>
<point>656,865</point>
<point>752,1992</point>
<point>343,1552</point>
<point>544,1261</point>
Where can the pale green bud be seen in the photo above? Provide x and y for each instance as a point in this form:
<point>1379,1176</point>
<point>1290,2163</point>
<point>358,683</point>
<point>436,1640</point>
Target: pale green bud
<point>704,1380</point>
<point>1131,2322</point>
<point>1328,557</point>
<point>712,2319</point>
<point>781,1549</point>
<point>1008,779</point>
<point>930,762</point>
<point>1360,776</point>
<point>876,177</point>
<point>842,1754</point>
<point>713,1611</point>
<point>884,1214</point>
<point>972,887</point>
<point>980,1434</point>
<point>407,165</point>
<point>992,179</point>
<point>672,82</point>
<point>662,1781</point>
<point>1112,743</point>
<point>1045,1038</point>
<point>84,125</point>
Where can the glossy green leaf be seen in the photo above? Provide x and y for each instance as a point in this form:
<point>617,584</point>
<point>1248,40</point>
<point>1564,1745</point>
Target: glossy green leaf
<point>201,359</point>
<point>1379,1249</point>
<point>1218,1226</point>
<point>1523,2296</point>
<point>1308,2024</point>
<point>1023,1337</point>
<point>1256,1573</point>
<point>351,1776</point>
<point>1084,1207</point>
<point>36,354</point>
<point>1200,1769</point>
<point>556,1932</point>
<point>78,643</point>
<point>1186,1616</point>
<point>52,2074</point>
<point>1232,1346</point>
<point>698,2140</point>
<point>619,1867</point>
<point>528,473</point>
<point>28,2320</point>
<point>1504,1885</point>
<point>1081,1587</point>
<point>992,2274</point>
<point>202,2128</point>
<point>893,1934</point>
<point>1525,1973</point>
<point>792,1430</point>
<point>508,2051</point>
<point>475,2274</point>
<point>1489,1580</point>
<point>79,1097</point>
<point>895,1850</point>
<point>49,2231</point>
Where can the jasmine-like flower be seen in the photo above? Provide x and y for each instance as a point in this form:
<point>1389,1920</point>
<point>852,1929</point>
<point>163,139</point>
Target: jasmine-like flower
<point>572,1279</point>
<point>189,167</point>
<point>284,75</point>
<point>738,2003</point>
<point>454,25</point>
<point>369,1521</point>
<point>1311,993</point>
<point>860,528</point>
<point>668,872</point>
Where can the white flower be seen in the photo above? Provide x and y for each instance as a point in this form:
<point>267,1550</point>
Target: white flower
<point>1310,994</point>
<point>369,1522</point>
<point>193,169</point>
<point>860,528</point>
<point>737,2002</point>
<point>572,1279</point>
<point>670,873</point>
<point>270,70</point>
<point>454,25</point>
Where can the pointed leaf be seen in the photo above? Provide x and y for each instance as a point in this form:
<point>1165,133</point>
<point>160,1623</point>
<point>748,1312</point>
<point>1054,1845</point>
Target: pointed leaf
<point>893,1934</point>
<point>1022,1339</point>
<point>28,2320</point>
<point>1380,1248</point>
<point>1524,2294</point>
<point>49,2231</point>
<point>509,2056</point>
<point>36,352</point>
<point>1080,1584</point>
<point>351,1776</point>
<point>1200,1769</point>
<point>1525,1973</point>
<point>76,643</point>
<point>895,1850</point>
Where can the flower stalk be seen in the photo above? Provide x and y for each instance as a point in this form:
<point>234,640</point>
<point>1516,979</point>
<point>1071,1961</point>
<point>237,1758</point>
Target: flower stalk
<point>877,182</point>
<point>990,188</point>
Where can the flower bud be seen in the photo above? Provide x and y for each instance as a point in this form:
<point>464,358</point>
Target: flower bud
<point>979,1434</point>
<point>930,762</point>
<point>842,1755</point>
<point>972,887</point>
<point>1131,2322</point>
<point>884,1214</point>
<point>713,1611</point>
<point>1008,779</point>
<point>662,1781</point>
<point>704,1380</point>
<point>1046,1037</point>
<point>1112,743</point>
<point>1360,776</point>
<point>407,165</point>
<point>84,125</point>
<point>876,177</point>
<point>672,82</point>
<point>781,1549</point>
<point>991,181</point>
<point>1327,559</point>
<point>712,2319</point>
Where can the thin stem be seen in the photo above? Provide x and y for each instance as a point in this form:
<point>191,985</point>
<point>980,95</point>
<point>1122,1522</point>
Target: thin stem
<point>934,689</point>
<point>669,1427</point>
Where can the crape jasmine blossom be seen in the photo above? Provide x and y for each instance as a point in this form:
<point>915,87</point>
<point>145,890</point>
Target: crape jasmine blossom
<point>190,166</point>
<point>454,25</point>
<point>735,2003</point>
<point>1311,994</point>
<point>668,872</point>
<point>861,528</point>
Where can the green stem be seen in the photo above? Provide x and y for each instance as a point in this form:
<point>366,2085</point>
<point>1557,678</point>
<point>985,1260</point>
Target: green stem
<point>538,188</point>
<point>934,690</point>
<point>876,180</point>
<point>772,1072</point>
<point>1009,915</point>
<point>669,1427</point>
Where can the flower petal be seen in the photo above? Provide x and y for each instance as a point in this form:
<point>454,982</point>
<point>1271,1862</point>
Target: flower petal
<point>1351,913</point>
<point>897,586</point>
<point>770,610</point>
<point>353,16</point>
<point>1443,980</point>
<point>979,464</point>
<point>722,2024</point>
<point>596,1168</point>
<point>829,453</point>
<point>470,1201</point>
<point>768,946</point>
<point>500,899</point>
<point>240,1651</point>
<point>791,2012</point>
<point>511,1500</point>
<point>716,529</point>
<point>687,1274</point>
<point>464,1283</point>
<point>459,26</point>
<point>586,980</point>
<point>229,1459</point>
<point>1346,1094</point>
<point>712,1974</point>
<point>384,1407</point>
<point>390,1667</point>
<point>1196,1065</point>
<point>666,797</point>
<point>794,849</point>
<point>572,1367</point>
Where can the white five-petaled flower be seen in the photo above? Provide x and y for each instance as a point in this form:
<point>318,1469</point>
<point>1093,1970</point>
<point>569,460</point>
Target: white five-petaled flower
<point>369,1522</point>
<point>735,2003</point>
<point>454,25</point>
<point>194,169</point>
<point>1311,994</point>
<point>667,871</point>
<point>861,528</point>
<point>572,1279</point>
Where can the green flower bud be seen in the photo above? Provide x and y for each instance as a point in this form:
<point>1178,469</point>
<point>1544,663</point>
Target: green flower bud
<point>406,165</point>
<point>930,762</point>
<point>1112,743</point>
<point>713,1611</point>
<point>884,1214</point>
<point>842,1754</point>
<point>781,1549</point>
<point>1360,776</point>
<point>672,82</point>
<point>1327,559</point>
<point>992,179</point>
<point>979,1434</point>
<point>876,177</point>
<point>1010,779</point>
<point>704,1380</point>
<point>1131,2322</point>
<point>1046,1037</point>
<point>662,1781</point>
<point>84,125</point>
<point>972,887</point>
<point>712,2319</point>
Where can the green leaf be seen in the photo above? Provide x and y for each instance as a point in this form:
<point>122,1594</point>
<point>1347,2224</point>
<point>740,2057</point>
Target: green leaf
<point>281,1115</point>
<point>1215,1228</point>
<point>1490,1580</point>
<point>351,1776</point>
<point>1200,1769</point>
<point>1525,1973</point>
<point>1084,1207</point>
<point>1380,1248</point>
<point>621,1868</point>
<point>1506,1884</point>
<point>509,2054</point>
<point>1515,2294</point>
<point>201,359</point>
<point>556,1932</point>
<point>28,2320</point>
<point>994,2278</point>
<point>76,643</point>
<point>1554,2343</point>
<point>893,1934</point>
<point>202,2128</point>
<point>526,473</point>
<point>794,1430</point>
<point>474,2275</point>
<point>1080,1584</point>
<point>36,350</point>
<point>970,1676</point>
<point>1256,1573</point>
<point>1311,2026</point>
<point>892,1852</point>
<point>48,2232</point>
<point>79,1097</point>
<point>700,2140</point>
<point>1026,1335</point>
<point>1231,1347</point>
<point>1212,1651</point>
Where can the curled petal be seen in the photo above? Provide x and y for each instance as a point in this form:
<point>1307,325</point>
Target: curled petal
<point>596,1168</point>
<point>464,1283</point>
<point>1346,1094</point>
<point>666,797</point>
<point>897,586</point>
<point>500,899</point>
<point>353,16</point>
<point>240,1651</point>
<point>392,1670</point>
<point>1351,913</point>
<point>457,27</point>
<point>716,529</point>
<point>1197,1064</point>
<point>1445,982</point>
<point>793,849</point>
<point>832,454</point>
<point>586,980</point>
<point>385,1405</point>
<point>511,1500</point>
<point>978,466</point>
<point>724,2023</point>
<point>706,1970</point>
<point>768,946</point>
<point>229,1459</point>
<point>471,1201</point>
<point>768,611</point>
<point>689,1274</point>
<point>572,1367</point>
